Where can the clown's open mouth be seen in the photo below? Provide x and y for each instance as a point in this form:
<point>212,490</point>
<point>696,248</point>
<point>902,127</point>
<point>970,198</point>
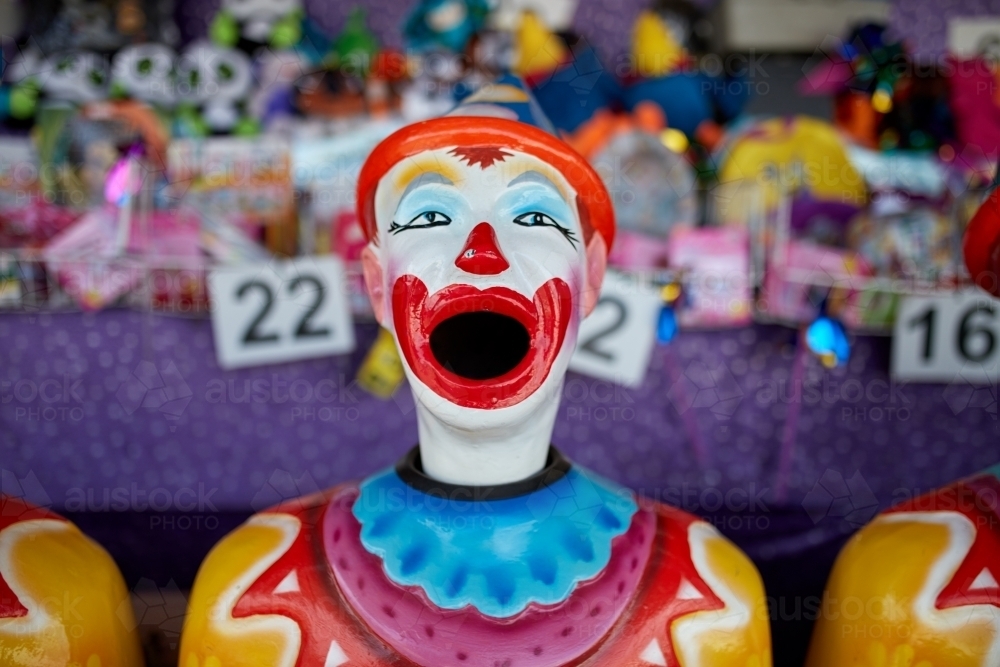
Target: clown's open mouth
<point>477,348</point>
<point>480,345</point>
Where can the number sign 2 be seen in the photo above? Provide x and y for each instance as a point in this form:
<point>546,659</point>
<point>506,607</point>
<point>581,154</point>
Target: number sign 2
<point>280,311</point>
<point>947,338</point>
<point>616,341</point>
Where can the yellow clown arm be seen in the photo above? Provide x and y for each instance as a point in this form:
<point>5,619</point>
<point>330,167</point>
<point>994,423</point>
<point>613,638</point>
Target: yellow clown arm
<point>879,606</point>
<point>211,636</point>
<point>738,633</point>
<point>78,608</point>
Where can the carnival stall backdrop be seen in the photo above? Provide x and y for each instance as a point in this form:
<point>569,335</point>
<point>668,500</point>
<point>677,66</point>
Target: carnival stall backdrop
<point>798,329</point>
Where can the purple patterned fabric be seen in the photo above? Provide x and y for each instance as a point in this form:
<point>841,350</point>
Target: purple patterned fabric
<point>923,24</point>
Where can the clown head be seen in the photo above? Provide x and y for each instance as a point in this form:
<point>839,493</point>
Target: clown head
<point>487,244</point>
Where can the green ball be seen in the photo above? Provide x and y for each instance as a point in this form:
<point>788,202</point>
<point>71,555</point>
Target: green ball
<point>23,101</point>
<point>287,32</point>
<point>224,30</point>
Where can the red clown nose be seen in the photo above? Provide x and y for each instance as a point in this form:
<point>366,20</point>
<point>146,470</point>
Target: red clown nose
<point>982,245</point>
<point>481,254</point>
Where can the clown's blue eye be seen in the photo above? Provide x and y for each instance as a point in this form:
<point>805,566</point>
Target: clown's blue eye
<point>421,221</point>
<point>538,219</point>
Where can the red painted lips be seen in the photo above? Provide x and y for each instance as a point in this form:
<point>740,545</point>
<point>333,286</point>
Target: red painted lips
<point>497,328</point>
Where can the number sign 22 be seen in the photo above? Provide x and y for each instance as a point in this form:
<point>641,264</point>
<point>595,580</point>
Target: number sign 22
<point>947,338</point>
<point>280,311</point>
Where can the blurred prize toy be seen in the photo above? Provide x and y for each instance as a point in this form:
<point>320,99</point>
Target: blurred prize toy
<point>64,80</point>
<point>715,265</point>
<point>877,102</point>
<point>800,275</point>
<point>18,89</point>
<point>439,83</point>
<point>666,322</point>
<point>87,260</point>
<point>27,223</point>
<point>381,372</point>
<point>330,93</point>
<point>444,24</point>
<point>171,248</point>
<point>145,72</point>
<point>213,84</point>
<point>249,24</point>
<point>356,77</point>
<point>245,180</point>
<point>694,102</point>
<point>99,25</point>
<point>355,47</point>
<point>272,98</point>
<point>916,242</point>
<point>74,78</point>
<point>568,80</point>
<point>981,245</point>
<point>798,157</point>
<point>653,190</point>
<point>827,339</point>
<point>975,101</point>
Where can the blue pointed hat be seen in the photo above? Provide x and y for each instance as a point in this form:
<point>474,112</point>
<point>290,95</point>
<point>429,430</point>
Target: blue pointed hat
<point>507,97</point>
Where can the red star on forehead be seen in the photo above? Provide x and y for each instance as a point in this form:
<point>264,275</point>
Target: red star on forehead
<point>484,156</point>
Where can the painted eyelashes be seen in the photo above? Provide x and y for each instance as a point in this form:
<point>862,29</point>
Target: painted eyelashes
<point>538,219</point>
<point>429,219</point>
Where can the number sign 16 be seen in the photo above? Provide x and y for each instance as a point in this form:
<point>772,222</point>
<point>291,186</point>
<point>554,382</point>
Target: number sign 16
<point>948,337</point>
<point>281,311</point>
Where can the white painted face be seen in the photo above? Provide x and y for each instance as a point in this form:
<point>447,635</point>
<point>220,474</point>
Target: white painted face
<point>146,72</point>
<point>480,270</point>
<point>75,76</point>
<point>208,72</point>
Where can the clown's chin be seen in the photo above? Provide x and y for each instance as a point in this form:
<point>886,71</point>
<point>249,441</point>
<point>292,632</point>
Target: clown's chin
<point>480,345</point>
<point>483,349</point>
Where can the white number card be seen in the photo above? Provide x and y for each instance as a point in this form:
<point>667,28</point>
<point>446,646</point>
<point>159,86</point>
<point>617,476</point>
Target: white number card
<point>616,341</point>
<point>280,311</point>
<point>947,337</point>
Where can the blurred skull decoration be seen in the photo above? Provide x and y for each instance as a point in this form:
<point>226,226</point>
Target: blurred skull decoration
<point>218,81</point>
<point>75,77</point>
<point>145,72</point>
<point>66,79</point>
<point>487,242</point>
<point>275,23</point>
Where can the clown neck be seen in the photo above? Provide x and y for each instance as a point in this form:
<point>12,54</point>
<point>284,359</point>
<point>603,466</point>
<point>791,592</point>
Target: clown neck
<point>509,452</point>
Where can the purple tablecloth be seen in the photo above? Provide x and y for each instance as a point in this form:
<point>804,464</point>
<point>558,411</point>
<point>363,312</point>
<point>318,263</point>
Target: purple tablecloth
<point>123,410</point>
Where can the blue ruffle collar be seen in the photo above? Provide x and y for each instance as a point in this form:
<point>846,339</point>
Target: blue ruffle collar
<point>496,555</point>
